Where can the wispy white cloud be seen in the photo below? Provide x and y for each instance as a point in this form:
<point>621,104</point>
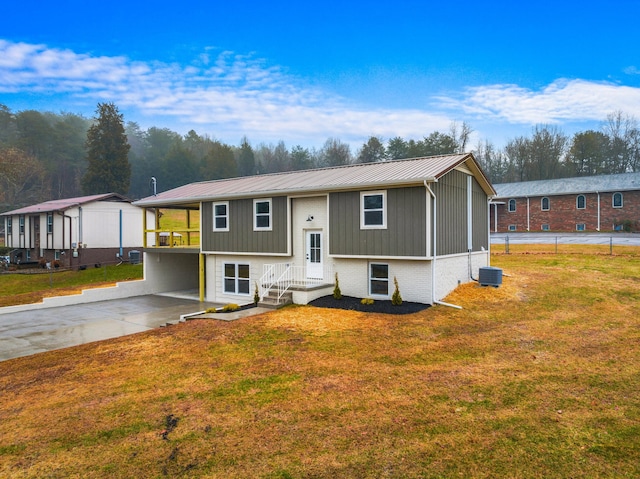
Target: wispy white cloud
<point>561,101</point>
<point>236,94</point>
<point>233,95</point>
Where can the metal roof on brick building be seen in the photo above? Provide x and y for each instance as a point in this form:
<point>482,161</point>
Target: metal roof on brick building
<point>568,186</point>
<point>368,175</point>
<point>64,204</point>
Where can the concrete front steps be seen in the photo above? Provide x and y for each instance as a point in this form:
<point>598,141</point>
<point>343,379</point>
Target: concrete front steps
<point>271,300</point>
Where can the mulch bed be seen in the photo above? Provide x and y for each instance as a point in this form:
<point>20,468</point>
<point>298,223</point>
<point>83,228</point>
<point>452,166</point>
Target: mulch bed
<point>354,304</point>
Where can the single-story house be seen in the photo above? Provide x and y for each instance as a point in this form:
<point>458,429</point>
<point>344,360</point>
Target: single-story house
<point>423,222</point>
<point>75,231</point>
<point>587,203</point>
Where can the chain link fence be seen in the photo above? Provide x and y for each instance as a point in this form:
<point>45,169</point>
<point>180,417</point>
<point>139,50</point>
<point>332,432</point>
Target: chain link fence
<point>586,243</point>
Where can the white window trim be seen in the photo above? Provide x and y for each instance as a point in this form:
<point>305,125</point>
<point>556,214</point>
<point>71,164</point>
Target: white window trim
<point>542,208</point>
<point>578,225</point>
<point>509,205</point>
<point>585,202</point>
<point>543,227</point>
<point>374,295</point>
<point>255,215</point>
<point>225,203</point>
<point>613,203</point>
<point>236,278</point>
<point>363,195</point>
<point>512,228</point>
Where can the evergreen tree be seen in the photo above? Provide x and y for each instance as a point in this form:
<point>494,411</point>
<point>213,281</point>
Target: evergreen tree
<point>246,159</point>
<point>108,169</point>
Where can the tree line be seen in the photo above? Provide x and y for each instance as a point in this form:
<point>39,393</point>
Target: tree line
<point>45,155</point>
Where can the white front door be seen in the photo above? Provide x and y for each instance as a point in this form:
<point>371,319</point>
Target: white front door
<point>314,255</point>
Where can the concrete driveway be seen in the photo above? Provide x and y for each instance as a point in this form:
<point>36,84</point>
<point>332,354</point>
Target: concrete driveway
<point>29,332</point>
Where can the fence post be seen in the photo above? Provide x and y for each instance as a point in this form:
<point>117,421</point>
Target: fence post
<point>556,245</point>
<point>611,245</point>
<point>506,244</point>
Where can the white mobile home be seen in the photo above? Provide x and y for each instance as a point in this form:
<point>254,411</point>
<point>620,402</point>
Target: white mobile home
<point>74,231</point>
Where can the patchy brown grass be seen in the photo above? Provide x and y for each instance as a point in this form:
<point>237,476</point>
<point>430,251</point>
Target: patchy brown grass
<point>537,378</point>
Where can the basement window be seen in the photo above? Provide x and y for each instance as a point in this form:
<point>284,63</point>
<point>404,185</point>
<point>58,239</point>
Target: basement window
<point>545,227</point>
<point>580,227</point>
<point>236,278</point>
<point>512,227</point>
<point>379,279</point>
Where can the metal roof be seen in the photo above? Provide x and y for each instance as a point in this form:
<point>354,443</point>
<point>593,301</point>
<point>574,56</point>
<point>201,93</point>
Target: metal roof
<point>63,204</point>
<point>389,173</point>
<point>567,186</point>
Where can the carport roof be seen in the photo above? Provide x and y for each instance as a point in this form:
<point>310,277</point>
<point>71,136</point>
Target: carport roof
<point>567,186</point>
<point>388,173</point>
<point>64,204</point>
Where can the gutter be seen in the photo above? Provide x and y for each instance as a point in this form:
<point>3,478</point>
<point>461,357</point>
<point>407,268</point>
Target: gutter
<point>434,244</point>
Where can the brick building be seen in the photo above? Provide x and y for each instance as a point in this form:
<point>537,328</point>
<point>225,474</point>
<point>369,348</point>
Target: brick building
<point>590,203</point>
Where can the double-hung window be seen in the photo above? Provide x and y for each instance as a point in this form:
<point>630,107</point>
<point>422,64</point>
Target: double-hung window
<point>581,202</point>
<point>262,215</point>
<point>236,278</point>
<point>9,226</point>
<point>512,205</point>
<point>221,216</point>
<point>21,222</point>
<point>378,279</point>
<point>373,210</point>
<point>49,222</point>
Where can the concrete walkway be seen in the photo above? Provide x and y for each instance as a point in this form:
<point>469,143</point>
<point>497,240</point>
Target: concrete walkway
<point>34,331</point>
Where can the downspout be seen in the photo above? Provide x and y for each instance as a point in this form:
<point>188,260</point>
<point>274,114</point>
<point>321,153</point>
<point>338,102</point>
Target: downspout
<point>598,228</point>
<point>528,218</point>
<point>434,244</point>
<point>120,233</point>
<point>80,225</point>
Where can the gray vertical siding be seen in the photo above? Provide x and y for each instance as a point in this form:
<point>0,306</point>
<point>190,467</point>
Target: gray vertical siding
<point>405,234</point>
<point>480,218</point>
<point>241,238</point>
<point>451,194</point>
<point>452,235</point>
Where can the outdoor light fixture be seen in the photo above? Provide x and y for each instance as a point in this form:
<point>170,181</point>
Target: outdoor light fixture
<point>310,218</point>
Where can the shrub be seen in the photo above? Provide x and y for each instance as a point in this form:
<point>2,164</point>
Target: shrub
<point>230,307</point>
<point>337,294</point>
<point>366,301</point>
<point>256,294</point>
<point>211,310</point>
<point>396,299</point>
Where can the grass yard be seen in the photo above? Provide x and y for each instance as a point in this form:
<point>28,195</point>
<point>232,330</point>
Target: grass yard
<point>536,379</point>
<point>23,288</point>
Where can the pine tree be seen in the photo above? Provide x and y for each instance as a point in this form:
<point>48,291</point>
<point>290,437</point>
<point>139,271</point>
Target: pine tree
<point>108,168</point>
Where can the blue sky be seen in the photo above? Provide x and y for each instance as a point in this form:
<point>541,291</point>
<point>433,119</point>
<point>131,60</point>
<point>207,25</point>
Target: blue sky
<point>302,72</point>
